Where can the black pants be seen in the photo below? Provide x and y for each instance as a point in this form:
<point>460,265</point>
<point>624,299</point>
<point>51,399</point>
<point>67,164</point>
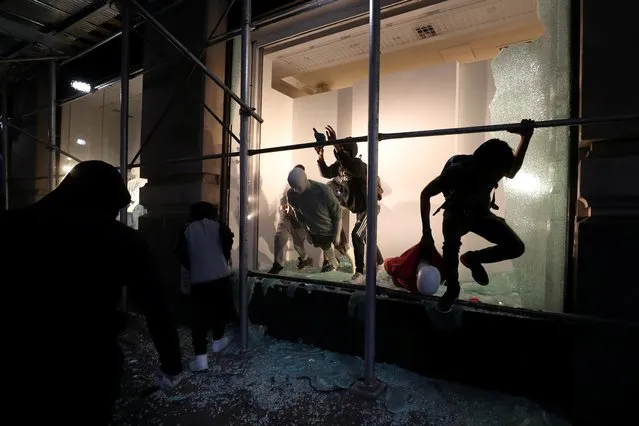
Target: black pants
<point>359,242</point>
<point>488,226</point>
<point>211,303</point>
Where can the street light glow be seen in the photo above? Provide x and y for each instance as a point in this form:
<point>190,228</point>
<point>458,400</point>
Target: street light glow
<point>81,86</point>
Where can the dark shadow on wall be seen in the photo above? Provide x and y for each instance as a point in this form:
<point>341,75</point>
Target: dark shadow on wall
<point>265,215</point>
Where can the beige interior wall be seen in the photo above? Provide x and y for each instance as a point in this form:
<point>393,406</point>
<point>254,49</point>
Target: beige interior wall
<point>95,119</point>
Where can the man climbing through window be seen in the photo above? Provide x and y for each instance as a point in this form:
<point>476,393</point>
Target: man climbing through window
<point>467,182</point>
<point>289,226</point>
<point>354,171</point>
<point>317,209</point>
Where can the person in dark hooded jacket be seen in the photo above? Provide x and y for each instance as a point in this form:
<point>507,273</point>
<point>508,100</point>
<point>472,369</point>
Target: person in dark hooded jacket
<point>65,261</point>
<point>354,173</point>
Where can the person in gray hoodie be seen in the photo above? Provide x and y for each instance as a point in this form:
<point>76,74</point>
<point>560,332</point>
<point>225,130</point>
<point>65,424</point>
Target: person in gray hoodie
<point>318,210</point>
<point>288,226</point>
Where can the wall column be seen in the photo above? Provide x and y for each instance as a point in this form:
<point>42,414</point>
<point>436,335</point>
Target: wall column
<point>186,130</point>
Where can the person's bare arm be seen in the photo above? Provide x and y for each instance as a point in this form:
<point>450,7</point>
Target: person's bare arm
<point>525,131</point>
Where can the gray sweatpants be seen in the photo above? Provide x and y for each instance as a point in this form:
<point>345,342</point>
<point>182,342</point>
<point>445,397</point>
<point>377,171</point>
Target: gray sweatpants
<point>286,227</point>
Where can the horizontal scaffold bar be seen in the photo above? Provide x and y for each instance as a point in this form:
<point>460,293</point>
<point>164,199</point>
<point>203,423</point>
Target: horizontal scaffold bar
<point>185,160</point>
<point>451,131</point>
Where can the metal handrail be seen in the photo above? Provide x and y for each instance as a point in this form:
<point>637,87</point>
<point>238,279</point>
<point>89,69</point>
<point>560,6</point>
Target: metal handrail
<point>451,131</point>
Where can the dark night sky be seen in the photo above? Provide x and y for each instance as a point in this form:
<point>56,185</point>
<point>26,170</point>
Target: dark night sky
<point>103,64</point>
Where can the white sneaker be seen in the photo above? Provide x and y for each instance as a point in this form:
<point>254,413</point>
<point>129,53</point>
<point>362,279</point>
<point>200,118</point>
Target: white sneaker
<point>220,345</point>
<point>166,382</point>
<point>199,363</point>
<point>358,278</point>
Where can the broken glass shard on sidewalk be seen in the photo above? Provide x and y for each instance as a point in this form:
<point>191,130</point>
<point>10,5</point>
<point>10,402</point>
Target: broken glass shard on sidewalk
<point>281,382</point>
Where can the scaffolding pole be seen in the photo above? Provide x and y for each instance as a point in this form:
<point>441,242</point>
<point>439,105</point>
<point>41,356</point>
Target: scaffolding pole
<point>5,144</point>
<point>461,130</point>
<point>124,99</point>
<point>41,142</point>
<point>124,115</point>
<point>371,228</point>
<point>53,125</point>
<point>37,59</point>
<point>183,87</point>
<point>186,159</point>
<point>244,158</point>
<point>370,387</point>
<point>453,131</point>
<point>186,52</point>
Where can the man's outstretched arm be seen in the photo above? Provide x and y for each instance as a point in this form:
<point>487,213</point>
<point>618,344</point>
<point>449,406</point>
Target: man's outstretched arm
<point>432,189</point>
<point>525,131</point>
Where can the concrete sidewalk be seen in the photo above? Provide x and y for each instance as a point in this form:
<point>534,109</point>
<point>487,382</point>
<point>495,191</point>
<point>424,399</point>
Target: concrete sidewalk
<point>284,383</point>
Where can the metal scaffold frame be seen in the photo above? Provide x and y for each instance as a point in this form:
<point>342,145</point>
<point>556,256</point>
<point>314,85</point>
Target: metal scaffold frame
<point>369,386</point>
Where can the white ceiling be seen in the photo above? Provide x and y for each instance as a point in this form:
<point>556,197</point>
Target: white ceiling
<point>419,27</point>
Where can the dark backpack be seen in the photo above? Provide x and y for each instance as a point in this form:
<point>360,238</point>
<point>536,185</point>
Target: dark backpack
<point>380,190</point>
<point>459,161</point>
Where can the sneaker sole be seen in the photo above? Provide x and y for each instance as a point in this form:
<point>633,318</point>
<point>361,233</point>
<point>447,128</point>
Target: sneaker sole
<point>463,261</point>
<point>444,312</point>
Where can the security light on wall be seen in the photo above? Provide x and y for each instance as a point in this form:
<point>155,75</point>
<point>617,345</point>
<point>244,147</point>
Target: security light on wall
<point>81,142</point>
<point>81,86</point>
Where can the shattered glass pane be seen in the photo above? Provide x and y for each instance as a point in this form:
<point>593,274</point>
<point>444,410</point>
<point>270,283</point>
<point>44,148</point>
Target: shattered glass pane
<point>533,80</point>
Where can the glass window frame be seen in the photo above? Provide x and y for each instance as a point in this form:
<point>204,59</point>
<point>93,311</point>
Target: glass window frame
<point>273,38</point>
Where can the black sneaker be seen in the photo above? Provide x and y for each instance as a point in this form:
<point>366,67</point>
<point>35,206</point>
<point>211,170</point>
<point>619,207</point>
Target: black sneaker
<point>275,269</point>
<point>303,263</point>
<point>328,266</point>
<point>479,273</point>
<point>446,301</point>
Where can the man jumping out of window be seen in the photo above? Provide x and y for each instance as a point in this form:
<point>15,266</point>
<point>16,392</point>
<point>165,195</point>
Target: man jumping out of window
<point>467,182</point>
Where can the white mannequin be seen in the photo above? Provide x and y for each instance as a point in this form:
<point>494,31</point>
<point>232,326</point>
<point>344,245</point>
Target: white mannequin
<point>135,209</point>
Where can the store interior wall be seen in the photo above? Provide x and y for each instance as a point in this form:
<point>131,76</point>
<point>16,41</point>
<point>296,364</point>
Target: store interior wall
<point>90,126</point>
<point>447,95</point>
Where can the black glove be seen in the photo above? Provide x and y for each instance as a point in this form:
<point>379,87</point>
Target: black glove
<point>319,137</point>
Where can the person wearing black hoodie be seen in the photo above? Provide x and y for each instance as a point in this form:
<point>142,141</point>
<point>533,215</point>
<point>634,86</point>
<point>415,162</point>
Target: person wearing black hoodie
<point>65,261</point>
<point>354,173</point>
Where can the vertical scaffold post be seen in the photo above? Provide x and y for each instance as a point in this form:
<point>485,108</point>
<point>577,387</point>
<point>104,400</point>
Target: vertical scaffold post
<point>124,99</point>
<point>370,387</point>
<point>124,112</point>
<point>5,143</point>
<point>244,146</point>
<point>53,125</point>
